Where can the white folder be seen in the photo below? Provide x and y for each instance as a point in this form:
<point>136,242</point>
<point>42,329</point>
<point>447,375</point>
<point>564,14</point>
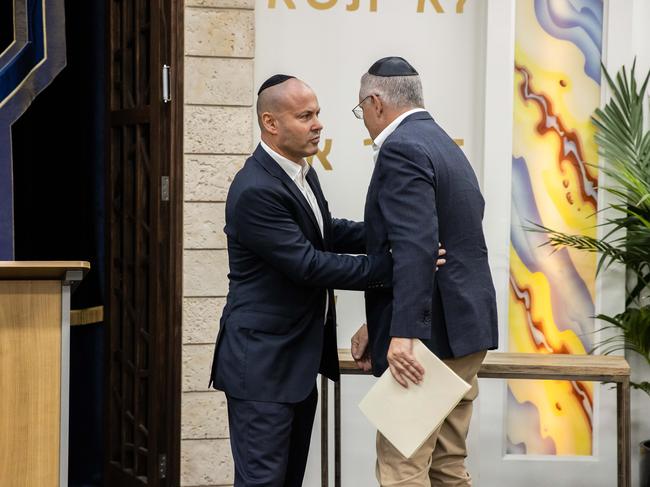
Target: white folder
<point>408,416</point>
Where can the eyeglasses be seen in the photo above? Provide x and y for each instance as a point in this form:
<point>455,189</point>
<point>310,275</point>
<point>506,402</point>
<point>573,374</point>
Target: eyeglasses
<point>358,111</point>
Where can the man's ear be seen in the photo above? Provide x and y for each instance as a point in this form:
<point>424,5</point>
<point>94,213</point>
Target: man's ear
<point>270,123</point>
<point>378,106</point>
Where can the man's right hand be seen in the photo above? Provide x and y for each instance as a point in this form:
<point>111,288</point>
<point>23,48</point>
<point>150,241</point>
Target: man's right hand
<point>360,352</point>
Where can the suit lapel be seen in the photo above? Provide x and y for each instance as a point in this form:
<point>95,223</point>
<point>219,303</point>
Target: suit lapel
<point>274,169</point>
<point>291,186</point>
<point>314,184</point>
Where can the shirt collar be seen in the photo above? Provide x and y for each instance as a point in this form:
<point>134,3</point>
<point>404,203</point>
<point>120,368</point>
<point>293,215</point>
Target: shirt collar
<point>293,169</point>
<point>383,135</point>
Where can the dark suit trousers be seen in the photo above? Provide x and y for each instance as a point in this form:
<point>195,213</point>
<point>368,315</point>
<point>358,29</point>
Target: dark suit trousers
<point>270,441</point>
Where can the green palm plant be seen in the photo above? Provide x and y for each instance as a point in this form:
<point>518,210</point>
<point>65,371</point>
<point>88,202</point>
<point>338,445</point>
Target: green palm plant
<point>625,146</point>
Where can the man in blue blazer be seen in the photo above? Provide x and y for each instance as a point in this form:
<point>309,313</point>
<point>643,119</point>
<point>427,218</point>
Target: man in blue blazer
<point>423,191</point>
<point>286,254</point>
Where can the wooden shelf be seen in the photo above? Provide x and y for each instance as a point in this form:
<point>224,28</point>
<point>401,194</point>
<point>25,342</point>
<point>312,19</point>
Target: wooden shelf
<point>41,270</point>
<point>535,366</point>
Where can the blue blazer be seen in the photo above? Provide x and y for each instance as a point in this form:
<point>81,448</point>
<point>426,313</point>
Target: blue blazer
<point>274,337</point>
<point>423,190</point>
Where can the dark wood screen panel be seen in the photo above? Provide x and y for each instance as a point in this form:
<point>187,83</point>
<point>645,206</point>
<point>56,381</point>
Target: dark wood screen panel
<point>142,419</point>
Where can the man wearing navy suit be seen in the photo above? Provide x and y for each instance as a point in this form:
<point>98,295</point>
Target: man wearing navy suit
<point>423,191</point>
<point>286,254</point>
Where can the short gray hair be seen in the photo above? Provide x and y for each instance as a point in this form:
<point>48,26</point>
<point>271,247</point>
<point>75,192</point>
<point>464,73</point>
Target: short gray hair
<point>395,91</point>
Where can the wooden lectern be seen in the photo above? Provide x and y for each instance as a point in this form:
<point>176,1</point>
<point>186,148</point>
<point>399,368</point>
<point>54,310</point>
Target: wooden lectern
<point>34,370</point>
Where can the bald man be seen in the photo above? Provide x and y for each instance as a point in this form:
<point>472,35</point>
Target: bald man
<point>286,254</point>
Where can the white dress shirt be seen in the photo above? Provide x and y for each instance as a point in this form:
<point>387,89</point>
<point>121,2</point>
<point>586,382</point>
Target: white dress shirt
<point>383,135</point>
<point>298,174</point>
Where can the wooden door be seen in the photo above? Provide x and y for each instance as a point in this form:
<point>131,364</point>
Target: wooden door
<point>144,244</point>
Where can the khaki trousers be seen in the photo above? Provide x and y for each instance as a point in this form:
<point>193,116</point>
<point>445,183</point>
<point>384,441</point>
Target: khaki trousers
<point>441,459</point>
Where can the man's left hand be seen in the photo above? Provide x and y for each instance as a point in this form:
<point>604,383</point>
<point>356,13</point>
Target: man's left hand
<point>403,364</point>
<point>441,257</point>
<point>360,350</point>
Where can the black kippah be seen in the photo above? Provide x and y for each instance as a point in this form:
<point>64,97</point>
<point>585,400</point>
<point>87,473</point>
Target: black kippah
<point>276,79</point>
<point>392,66</point>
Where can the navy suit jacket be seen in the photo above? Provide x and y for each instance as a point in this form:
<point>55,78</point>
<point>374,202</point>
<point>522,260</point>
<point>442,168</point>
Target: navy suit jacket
<point>273,338</point>
<point>424,191</point>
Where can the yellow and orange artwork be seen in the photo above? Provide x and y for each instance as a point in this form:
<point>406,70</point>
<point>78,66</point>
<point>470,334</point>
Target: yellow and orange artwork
<point>554,184</point>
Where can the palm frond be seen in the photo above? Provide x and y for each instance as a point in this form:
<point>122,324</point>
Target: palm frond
<point>634,327</point>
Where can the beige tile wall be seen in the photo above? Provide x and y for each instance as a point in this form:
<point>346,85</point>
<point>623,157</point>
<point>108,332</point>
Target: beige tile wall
<point>219,49</point>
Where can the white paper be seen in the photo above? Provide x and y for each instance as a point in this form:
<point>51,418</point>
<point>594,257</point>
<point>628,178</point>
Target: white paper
<point>408,416</point>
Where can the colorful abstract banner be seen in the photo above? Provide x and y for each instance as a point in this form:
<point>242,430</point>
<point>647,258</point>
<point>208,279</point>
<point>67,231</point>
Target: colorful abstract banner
<point>27,66</point>
<point>552,294</point>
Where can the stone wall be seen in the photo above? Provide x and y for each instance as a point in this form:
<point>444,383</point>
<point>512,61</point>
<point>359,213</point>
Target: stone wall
<point>219,50</point>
